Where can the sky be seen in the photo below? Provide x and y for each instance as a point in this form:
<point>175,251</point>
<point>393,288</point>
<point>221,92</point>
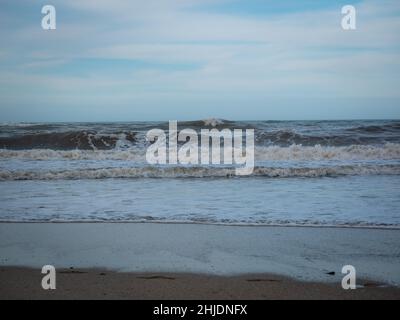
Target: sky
<point>139,60</point>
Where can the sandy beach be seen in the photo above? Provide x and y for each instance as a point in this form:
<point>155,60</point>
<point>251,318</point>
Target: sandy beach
<point>22,283</point>
<point>185,261</point>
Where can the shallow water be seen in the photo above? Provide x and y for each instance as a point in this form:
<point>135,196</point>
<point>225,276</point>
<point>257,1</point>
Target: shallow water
<point>348,201</point>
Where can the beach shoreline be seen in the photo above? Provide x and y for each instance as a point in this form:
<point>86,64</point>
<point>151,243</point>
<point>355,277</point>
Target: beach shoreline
<point>83,284</point>
<point>310,258</point>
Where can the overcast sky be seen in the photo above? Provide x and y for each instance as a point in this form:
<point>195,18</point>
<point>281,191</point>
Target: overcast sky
<point>193,59</point>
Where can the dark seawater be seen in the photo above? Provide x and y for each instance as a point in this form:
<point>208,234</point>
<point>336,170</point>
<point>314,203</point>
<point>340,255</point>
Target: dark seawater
<point>306,173</point>
<point>108,136</point>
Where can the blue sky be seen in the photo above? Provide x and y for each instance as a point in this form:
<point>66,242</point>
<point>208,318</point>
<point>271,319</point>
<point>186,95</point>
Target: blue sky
<point>193,59</point>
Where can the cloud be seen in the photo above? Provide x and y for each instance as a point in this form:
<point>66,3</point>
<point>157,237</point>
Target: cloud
<point>283,54</point>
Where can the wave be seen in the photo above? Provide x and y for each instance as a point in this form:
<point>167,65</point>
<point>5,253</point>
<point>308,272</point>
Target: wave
<point>209,221</point>
<point>108,136</point>
<point>210,122</point>
<point>94,136</point>
<point>83,140</point>
<point>290,137</point>
<point>197,172</point>
<point>392,127</point>
<point>388,151</point>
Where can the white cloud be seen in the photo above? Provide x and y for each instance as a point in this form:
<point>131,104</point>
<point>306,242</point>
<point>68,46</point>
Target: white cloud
<point>299,54</point>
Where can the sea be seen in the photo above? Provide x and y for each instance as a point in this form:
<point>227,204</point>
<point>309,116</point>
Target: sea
<point>306,173</point>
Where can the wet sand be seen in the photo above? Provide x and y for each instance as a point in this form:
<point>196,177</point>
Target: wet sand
<point>23,283</point>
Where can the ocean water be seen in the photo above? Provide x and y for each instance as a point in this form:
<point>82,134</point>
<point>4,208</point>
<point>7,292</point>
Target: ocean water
<point>318,173</point>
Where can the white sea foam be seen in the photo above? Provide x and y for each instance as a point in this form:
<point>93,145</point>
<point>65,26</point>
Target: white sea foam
<point>132,154</point>
<point>370,201</point>
<point>213,122</point>
<point>195,172</point>
<point>389,151</point>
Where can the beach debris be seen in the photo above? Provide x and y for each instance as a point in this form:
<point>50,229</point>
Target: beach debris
<point>265,280</point>
<point>156,277</point>
<point>72,271</point>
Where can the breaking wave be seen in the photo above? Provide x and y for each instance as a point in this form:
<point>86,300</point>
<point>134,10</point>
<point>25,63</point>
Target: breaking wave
<point>83,140</point>
<point>108,136</point>
<point>389,151</point>
<point>198,172</point>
